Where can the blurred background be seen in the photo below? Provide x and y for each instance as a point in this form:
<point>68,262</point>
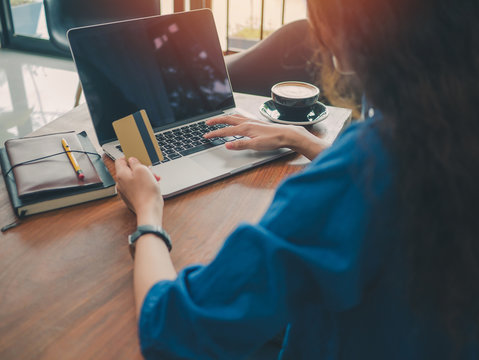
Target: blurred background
<point>38,82</point>
<point>241,23</point>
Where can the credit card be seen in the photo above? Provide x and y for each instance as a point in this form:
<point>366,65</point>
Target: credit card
<point>137,138</point>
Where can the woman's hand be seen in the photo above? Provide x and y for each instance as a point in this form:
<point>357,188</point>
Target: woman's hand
<point>259,135</point>
<point>263,136</point>
<point>139,189</point>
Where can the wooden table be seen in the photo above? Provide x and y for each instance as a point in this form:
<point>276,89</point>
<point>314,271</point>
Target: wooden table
<point>66,275</point>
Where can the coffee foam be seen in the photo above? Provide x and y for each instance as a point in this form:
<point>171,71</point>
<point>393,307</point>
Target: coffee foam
<point>295,90</point>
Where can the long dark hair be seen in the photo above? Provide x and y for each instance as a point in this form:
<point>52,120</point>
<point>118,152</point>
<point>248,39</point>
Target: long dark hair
<point>418,62</point>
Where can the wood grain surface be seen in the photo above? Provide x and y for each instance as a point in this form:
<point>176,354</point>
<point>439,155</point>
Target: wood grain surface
<point>66,275</point>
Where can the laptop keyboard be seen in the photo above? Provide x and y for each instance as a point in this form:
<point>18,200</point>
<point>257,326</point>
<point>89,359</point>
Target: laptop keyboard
<point>188,140</point>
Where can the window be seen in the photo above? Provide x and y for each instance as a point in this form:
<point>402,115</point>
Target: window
<point>24,26</point>
<point>240,23</point>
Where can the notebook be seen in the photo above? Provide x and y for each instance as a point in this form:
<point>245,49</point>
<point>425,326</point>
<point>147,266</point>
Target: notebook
<point>172,67</point>
<point>51,183</point>
<point>54,172</point>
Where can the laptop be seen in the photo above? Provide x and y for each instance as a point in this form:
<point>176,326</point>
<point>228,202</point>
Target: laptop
<point>172,66</point>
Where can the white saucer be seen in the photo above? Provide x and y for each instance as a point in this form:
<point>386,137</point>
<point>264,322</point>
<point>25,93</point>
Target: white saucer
<point>317,114</point>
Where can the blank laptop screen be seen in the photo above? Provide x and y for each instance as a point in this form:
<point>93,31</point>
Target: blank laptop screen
<point>172,66</point>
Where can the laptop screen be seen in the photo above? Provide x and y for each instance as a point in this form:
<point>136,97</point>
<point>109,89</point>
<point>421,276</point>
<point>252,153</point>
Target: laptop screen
<point>172,66</point>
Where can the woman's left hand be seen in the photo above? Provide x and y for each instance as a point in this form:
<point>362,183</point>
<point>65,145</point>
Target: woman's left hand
<point>264,136</point>
<point>140,190</point>
<point>258,135</point>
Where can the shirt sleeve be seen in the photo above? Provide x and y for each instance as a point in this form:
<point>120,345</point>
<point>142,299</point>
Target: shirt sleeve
<point>306,249</point>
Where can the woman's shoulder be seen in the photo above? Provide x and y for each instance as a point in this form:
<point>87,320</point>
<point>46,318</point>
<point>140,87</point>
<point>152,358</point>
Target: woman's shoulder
<point>358,154</point>
<point>359,142</point>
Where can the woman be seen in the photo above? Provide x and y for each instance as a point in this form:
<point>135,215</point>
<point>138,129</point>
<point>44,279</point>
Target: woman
<point>372,251</point>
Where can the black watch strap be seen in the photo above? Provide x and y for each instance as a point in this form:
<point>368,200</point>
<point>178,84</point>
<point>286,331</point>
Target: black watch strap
<point>148,229</point>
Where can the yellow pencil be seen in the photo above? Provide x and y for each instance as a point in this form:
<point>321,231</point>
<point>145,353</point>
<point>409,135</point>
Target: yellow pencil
<point>72,159</point>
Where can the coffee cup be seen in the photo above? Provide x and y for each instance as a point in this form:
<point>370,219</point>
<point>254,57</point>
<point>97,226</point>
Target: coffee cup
<point>294,99</point>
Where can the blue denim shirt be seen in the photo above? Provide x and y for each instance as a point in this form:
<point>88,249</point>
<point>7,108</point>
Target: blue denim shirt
<point>319,263</point>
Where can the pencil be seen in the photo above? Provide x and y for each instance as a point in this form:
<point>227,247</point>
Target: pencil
<point>72,159</point>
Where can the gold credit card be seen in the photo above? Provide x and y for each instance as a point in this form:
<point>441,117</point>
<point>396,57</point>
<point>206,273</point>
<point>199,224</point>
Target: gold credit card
<point>137,138</point>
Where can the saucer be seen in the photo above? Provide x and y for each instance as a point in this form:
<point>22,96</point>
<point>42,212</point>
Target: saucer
<point>317,113</point>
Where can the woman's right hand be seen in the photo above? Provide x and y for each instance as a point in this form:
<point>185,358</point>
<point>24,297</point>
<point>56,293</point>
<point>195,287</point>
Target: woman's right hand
<point>263,136</point>
<point>139,189</point>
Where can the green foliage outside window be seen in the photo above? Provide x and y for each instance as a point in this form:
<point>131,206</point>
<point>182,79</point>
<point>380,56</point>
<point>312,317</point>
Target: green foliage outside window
<point>21,2</point>
<point>250,33</point>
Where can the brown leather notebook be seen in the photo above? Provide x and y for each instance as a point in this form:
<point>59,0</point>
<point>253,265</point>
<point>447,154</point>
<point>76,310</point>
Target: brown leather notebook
<point>53,173</point>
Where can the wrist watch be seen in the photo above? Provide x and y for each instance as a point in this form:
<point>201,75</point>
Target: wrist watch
<point>148,229</point>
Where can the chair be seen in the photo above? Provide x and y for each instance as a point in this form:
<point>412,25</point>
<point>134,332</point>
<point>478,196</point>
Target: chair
<point>284,55</point>
<point>62,15</point>
<point>287,54</point>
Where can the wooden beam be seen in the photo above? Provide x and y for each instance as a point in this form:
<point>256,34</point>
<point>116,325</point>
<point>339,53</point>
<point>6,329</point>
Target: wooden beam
<point>261,30</point>
<point>179,5</point>
<point>227,25</point>
<point>200,4</point>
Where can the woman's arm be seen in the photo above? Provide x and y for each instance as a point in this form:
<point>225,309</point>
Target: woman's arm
<point>152,264</point>
<point>265,275</point>
<point>140,190</point>
<point>265,136</point>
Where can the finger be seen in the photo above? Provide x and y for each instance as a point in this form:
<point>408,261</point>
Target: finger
<point>240,144</point>
<point>120,164</point>
<point>229,119</point>
<point>133,162</point>
<point>122,171</point>
<point>227,131</point>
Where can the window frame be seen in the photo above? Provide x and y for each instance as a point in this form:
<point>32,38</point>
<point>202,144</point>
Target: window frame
<point>10,40</point>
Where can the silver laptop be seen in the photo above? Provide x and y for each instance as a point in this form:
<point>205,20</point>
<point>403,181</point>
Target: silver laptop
<point>173,67</point>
